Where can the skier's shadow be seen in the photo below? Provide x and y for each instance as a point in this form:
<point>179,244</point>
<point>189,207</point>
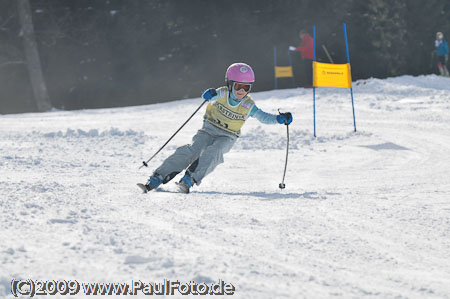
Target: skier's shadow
<point>269,196</point>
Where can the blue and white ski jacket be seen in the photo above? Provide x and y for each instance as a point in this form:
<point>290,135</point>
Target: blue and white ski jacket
<point>441,47</point>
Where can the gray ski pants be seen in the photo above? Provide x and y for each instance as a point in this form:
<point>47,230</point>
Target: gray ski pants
<point>208,146</point>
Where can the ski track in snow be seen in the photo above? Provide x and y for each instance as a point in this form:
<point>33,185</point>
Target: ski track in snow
<point>363,215</point>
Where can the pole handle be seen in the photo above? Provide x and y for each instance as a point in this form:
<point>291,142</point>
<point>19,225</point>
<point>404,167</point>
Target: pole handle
<point>285,113</point>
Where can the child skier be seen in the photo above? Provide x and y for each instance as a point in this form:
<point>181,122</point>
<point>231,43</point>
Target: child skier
<point>228,109</point>
<point>442,53</point>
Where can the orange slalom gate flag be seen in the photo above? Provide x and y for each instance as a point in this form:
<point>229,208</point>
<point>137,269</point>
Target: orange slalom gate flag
<point>331,75</point>
<point>283,71</point>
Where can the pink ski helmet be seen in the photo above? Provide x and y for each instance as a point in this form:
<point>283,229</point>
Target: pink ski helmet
<point>240,72</point>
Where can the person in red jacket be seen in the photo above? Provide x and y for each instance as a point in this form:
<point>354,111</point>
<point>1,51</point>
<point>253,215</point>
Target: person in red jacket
<point>307,51</point>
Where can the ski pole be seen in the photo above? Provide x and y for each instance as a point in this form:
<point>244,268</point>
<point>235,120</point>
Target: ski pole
<point>282,185</point>
<point>328,54</point>
<point>145,163</point>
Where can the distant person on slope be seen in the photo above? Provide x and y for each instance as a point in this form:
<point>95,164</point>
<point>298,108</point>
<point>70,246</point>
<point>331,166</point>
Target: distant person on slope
<point>442,53</point>
<point>307,51</point>
<point>228,109</point>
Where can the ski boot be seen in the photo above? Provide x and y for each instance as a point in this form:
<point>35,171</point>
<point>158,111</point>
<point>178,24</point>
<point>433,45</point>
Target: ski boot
<point>185,183</point>
<point>153,182</point>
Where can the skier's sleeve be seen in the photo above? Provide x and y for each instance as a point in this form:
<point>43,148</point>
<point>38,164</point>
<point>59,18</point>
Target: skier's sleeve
<point>264,117</point>
<point>446,47</point>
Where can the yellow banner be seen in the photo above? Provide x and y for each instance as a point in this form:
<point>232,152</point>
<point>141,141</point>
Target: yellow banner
<point>283,71</point>
<point>332,75</point>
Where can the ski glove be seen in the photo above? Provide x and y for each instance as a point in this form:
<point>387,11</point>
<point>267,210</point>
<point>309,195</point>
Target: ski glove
<point>292,48</point>
<point>209,94</point>
<point>284,118</point>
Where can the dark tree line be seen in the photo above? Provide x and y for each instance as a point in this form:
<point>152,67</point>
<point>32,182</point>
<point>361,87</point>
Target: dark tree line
<point>108,53</point>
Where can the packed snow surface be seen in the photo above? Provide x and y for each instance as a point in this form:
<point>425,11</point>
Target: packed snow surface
<point>364,214</point>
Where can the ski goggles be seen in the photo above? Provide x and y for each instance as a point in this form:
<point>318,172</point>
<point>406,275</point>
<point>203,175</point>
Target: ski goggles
<point>245,86</point>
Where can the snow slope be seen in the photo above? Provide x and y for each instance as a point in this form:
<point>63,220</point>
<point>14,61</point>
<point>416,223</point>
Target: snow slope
<point>363,215</point>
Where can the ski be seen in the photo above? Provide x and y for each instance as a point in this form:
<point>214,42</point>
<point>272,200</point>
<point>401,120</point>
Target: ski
<point>182,188</point>
<point>142,187</point>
